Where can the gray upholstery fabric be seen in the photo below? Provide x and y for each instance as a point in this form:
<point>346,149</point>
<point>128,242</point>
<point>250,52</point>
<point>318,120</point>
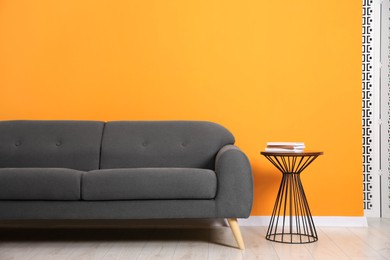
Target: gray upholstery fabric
<point>222,186</point>
<point>56,144</point>
<point>39,184</point>
<point>149,183</point>
<point>186,144</point>
<point>235,183</point>
<point>133,209</point>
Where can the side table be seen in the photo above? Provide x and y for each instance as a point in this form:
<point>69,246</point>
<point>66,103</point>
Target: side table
<point>291,221</point>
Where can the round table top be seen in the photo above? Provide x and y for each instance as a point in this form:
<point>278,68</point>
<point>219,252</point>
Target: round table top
<point>304,153</point>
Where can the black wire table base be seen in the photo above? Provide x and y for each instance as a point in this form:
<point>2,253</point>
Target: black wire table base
<point>291,221</point>
<point>295,238</point>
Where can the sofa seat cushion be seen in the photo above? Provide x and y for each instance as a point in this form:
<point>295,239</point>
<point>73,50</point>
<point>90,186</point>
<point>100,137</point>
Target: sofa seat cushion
<point>40,184</point>
<point>149,183</point>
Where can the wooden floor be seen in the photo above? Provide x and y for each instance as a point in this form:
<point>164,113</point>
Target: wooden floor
<point>208,243</point>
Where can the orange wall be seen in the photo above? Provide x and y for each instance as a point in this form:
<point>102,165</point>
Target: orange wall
<point>267,70</point>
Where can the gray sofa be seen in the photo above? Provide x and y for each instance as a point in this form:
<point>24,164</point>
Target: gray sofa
<point>122,170</point>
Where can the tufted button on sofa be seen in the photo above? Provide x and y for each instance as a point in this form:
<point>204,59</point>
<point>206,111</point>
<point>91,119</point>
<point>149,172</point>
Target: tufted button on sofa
<point>122,170</point>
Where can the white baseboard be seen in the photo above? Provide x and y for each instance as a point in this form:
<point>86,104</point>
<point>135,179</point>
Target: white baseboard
<point>328,221</point>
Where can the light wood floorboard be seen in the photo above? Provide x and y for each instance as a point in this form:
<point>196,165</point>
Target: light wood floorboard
<point>161,245</point>
<point>325,248</point>
<point>257,247</point>
<point>223,245</point>
<point>214,243</point>
<point>351,244</point>
<point>193,245</point>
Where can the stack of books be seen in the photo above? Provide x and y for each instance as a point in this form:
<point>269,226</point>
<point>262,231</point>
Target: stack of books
<point>285,147</point>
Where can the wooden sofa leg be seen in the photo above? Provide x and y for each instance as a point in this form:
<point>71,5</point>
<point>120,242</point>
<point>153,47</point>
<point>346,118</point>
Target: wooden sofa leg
<point>236,232</point>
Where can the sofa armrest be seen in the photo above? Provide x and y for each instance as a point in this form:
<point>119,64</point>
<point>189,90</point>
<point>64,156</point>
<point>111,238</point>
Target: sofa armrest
<point>235,183</point>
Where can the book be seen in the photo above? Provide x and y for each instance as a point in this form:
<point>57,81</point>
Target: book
<point>294,144</point>
<point>294,147</point>
<point>290,147</point>
<point>281,150</point>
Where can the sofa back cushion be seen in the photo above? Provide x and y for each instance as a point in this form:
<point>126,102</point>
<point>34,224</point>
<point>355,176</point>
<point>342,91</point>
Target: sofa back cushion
<point>55,144</point>
<point>187,144</point>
